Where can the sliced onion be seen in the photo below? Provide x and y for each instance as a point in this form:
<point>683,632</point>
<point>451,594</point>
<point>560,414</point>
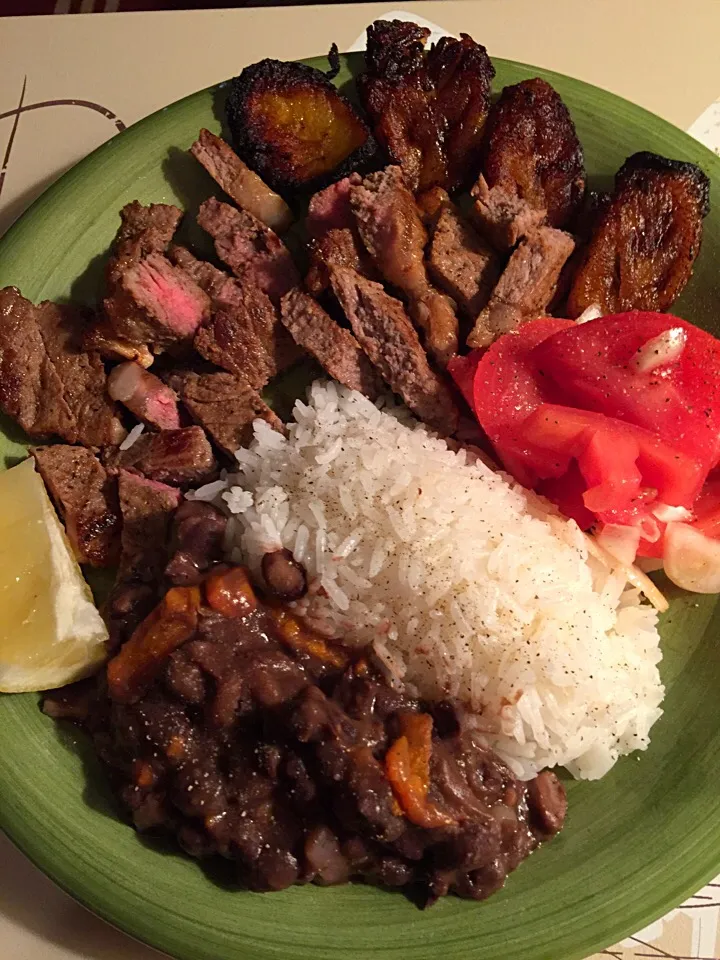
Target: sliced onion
<point>667,514</point>
<point>620,541</point>
<point>692,560</point>
<point>590,313</point>
<point>665,348</point>
<point>631,573</point>
<point>649,564</point>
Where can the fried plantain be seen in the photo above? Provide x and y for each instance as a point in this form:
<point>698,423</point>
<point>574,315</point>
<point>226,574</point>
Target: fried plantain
<point>292,127</point>
<point>429,111</point>
<point>642,250</point>
<point>532,151</point>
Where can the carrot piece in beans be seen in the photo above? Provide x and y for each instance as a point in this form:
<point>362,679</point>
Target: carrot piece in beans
<point>294,635</point>
<point>170,624</point>
<point>407,765</point>
<point>230,592</point>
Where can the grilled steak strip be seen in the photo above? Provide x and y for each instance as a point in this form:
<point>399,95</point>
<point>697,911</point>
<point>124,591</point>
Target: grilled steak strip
<point>47,383</point>
<point>252,250</point>
<point>389,339</point>
<point>526,286</point>
<point>461,263</point>
<point>154,302</point>
<point>147,508</point>
<point>240,183</point>
<point>181,458</point>
<point>392,230</point>
<point>502,216</point>
<point>335,349</point>
<point>86,499</point>
<point>244,334</point>
<point>225,405</point>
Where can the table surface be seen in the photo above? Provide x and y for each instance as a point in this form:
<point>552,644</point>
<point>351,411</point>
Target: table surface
<point>81,78</point>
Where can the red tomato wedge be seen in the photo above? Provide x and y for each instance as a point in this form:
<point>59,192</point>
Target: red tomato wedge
<point>506,389</point>
<point>649,369</point>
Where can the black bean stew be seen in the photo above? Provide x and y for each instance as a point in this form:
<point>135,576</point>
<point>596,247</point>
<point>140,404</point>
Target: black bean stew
<point>226,724</point>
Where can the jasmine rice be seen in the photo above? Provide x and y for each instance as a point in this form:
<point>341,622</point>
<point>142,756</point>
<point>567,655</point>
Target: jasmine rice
<point>463,582</point>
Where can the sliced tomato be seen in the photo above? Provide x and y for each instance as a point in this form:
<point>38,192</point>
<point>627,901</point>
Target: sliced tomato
<point>707,509</point>
<point>618,460</point>
<point>596,365</point>
<point>507,387</point>
<point>566,492</point>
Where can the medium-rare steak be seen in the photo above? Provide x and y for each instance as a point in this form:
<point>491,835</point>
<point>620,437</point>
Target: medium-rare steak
<point>253,251</point>
<point>47,383</point>
<point>154,302</point>
<point>389,339</point>
<point>241,183</point>
<point>145,395</point>
<point>181,458</point>
<point>527,284</point>
<point>86,499</point>
<point>330,209</point>
<point>335,349</point>
<point>461,263</point>
<point>225,406</point>
<point>244,334</point>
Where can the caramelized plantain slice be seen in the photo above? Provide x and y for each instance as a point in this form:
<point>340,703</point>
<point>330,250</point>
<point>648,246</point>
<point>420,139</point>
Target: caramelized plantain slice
<point>532,151</point>
<point>429,111</point>
<point>293,128</point>
<point>642,250</point>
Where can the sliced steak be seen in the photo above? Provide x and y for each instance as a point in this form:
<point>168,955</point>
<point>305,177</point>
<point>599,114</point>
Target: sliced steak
<point>330,209</point>
<point>143,230</point>
<point>153,302</point>
<point>86,499</point>
<point>526,286</point>
<point>389,339</point>
<point>47,382</point>
<point>431,204</point>
<point>337,248</point>
<point>145,395</point>
<point>391,228</point>
<point>252,251</point>
<point>461,263</point>
<point>181,458</point>
<point>502,216</point>
<point>244,334</point>
<point>335,349</point>
<point>225,405</point>
<point>147,509</point>
<point>241,183</point>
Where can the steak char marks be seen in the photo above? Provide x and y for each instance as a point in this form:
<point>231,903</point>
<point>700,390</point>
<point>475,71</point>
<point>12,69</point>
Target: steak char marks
<point>86,499</point>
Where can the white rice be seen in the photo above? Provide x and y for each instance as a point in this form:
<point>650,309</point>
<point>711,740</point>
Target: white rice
<point>465,584</point>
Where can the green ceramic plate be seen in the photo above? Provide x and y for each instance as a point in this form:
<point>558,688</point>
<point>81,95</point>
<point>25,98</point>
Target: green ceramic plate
<point>636,843</point>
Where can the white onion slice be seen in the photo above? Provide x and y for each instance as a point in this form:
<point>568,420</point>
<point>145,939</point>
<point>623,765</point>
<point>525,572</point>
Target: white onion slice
<point>665,348</point>
<point>692,560</point>
<point>590,313</point>
<point>667,514</point>
<point>631,573</point>
<point>620,541</point>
